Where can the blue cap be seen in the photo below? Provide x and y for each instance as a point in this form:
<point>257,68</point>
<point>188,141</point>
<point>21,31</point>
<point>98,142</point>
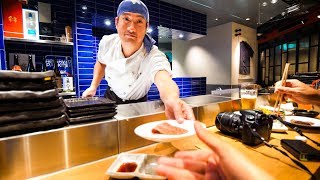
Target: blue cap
<point>134,6</point>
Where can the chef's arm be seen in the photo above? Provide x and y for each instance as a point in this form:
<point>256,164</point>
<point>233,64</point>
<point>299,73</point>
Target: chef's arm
<point>98,74</point>
<point>168,89</point>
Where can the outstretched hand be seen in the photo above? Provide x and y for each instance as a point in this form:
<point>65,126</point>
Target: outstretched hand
<point>217,163</point>
<point>178,110</point>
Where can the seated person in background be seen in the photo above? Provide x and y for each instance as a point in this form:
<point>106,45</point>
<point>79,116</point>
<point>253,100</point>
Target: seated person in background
<point>299,92</point>
<point>223,161</point>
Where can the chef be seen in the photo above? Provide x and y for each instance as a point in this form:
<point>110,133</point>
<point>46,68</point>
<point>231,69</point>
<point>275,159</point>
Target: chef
<point>131,63</point>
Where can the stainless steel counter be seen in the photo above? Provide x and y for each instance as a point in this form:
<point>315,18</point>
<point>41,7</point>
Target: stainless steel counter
<point>34,154</point>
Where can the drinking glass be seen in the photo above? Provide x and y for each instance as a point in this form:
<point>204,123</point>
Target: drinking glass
<point>248,95</point>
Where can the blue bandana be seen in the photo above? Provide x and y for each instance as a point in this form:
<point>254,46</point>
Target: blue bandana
<point>137,6</point>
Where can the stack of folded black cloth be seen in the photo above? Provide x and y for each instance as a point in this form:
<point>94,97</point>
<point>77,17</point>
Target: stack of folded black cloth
<point>89,109</point>
<point>29,102</point>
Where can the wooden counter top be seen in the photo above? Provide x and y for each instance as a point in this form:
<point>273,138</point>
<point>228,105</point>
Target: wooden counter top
<point>268,159</point>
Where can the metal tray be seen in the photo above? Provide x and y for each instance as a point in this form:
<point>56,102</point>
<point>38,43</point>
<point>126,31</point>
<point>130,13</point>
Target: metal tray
<point>87,102</point>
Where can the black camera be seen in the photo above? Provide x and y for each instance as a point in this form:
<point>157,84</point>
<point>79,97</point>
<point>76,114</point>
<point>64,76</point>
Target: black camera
<point>244,123</point>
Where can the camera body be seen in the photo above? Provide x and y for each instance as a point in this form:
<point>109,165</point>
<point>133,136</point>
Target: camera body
<point>241,124</point>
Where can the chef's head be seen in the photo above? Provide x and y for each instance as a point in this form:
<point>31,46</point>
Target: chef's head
<point>133,6</point>
<point>132,22</point>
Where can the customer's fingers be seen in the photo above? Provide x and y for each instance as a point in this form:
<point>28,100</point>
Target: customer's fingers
<point>213,171</point>
<point>212,141</point>
<point>200,155</point>
<point>192,165</point>
<point>173,173</point>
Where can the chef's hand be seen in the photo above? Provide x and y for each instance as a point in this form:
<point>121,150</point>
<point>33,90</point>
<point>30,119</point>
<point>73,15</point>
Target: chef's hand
<point>90,92</point>
<point>178,110</point>
<point>298,92</point>
<point>223,161</point>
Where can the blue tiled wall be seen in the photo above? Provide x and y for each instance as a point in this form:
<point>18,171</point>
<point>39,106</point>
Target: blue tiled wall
<point>188,86</point>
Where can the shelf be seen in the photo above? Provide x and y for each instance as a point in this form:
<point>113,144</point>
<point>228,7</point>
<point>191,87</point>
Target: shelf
<point>38,41</point>
<point>67,94</point>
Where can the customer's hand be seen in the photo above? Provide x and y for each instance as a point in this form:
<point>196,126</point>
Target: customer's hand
<point>298,92</point>
<point>90,92</point>
<point>178,110</point>
<point>221,162</point>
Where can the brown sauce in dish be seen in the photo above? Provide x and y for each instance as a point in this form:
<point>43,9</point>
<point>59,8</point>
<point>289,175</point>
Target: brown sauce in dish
<point>127,167</point>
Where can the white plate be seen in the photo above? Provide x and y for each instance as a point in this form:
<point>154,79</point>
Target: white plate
<point>145,131</point>
<point>278,127</point>
<point>302,118</point>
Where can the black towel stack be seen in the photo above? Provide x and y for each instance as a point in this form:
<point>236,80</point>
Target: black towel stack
<point>29,102</point>
<point>89,109</point>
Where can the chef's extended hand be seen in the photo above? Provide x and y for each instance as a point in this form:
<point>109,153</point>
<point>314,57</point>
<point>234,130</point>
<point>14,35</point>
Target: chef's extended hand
<point>175,108</point>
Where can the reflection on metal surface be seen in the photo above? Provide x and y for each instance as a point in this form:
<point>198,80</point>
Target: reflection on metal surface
<point>126,111</point>
<point>40,153</point>
<point>205,100</point>
<point>128,140</point>
<point>35,154</point>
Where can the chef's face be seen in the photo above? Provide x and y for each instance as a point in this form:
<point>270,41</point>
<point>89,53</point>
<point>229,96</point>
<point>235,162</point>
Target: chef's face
<point>131,27</point>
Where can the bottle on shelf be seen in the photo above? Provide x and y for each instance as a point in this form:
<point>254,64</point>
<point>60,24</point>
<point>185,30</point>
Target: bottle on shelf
<point>58,75</point>
<point>43,65</point>
<point>16,66</point>
<point>30,67</point>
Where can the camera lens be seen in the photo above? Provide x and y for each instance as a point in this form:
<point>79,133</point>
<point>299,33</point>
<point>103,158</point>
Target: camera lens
<point>228,122</point>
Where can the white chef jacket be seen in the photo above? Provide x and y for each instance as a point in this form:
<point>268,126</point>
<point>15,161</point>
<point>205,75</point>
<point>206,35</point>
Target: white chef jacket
<point>130,78</point>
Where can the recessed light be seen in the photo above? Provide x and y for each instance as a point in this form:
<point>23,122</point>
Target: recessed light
<point>84,7</point>
<point>107,22</point>
<point>180,35</point>
<point>318,16</point>
<point>149,30</point>
<point>217,19</point>
<point>264,4</point>
<point>274,1</point>
<point>247,19</point>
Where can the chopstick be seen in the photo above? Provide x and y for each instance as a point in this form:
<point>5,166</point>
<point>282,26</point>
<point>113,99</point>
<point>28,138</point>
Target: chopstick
<point>280,95</point>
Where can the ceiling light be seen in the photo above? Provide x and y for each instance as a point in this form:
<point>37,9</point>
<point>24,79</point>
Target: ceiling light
<point>217,19</point>
<point>264,4</point>
<point>107,22</point>
<point>318,16</point>
<point>247,19</point>
<point>149,30</point>
<point>274,1</point>
<point>180,35</point>
<point>84,7</point>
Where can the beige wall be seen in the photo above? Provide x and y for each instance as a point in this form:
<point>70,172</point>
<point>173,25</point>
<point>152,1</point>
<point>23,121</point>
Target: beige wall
<point>250,36</point>
<point>215,56</point>
<point>208,56</point>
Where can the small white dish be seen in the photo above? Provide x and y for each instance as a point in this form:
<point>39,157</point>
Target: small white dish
<point>145,131</point>
<point>278,127</point>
